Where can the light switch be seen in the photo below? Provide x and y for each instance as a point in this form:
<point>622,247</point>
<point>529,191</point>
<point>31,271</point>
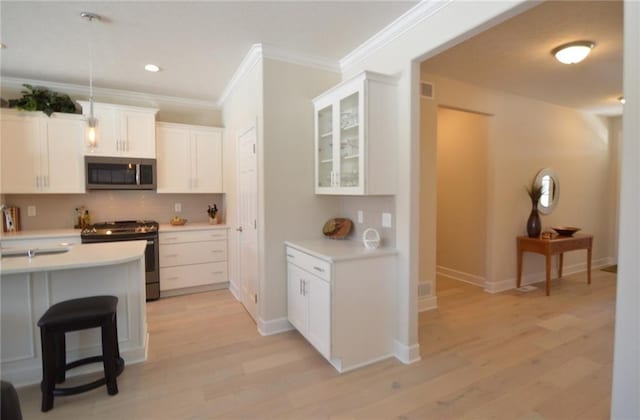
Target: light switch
<point>31,210</point>
<point>386,220</point>
<point>360,216</point>
<point>177,207</point>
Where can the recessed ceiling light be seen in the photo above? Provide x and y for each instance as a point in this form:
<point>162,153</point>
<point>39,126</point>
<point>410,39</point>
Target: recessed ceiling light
<point>621,99</point>
<point>152,68</point>
<point>573,52</point>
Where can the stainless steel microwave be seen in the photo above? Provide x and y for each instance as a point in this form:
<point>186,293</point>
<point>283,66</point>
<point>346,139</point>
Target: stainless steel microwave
<point>117,173</point>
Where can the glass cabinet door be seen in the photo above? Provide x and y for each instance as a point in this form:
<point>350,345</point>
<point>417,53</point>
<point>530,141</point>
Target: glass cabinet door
<point>350,141</point>
<point>325,147</point>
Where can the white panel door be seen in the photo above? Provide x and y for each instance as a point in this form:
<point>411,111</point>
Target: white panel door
<point>247,220</point>
<point>21,138</point>
<point>174,160</point>
<point>206,151</point>
<point>64,159</point>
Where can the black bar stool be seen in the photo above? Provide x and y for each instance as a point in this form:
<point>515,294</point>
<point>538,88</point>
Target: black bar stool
<point>74,315</point>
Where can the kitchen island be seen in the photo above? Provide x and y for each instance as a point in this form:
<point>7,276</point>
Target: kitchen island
<point>29,286</point>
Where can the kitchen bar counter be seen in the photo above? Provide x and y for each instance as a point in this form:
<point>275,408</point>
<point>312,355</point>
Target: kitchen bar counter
<point>28,287</point>
<point>40,234</point>
<point>338,249</point>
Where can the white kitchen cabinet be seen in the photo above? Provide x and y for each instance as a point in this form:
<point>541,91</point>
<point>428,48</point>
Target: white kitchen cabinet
<point>355,137</point>
<point>42,154</point>
<point>190,259</point>
<point>189,158</point>
<point>340,298</point>
<point>123,130</point>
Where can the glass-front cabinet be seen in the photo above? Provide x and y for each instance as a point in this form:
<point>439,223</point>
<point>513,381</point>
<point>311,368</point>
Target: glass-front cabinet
<point>355,136</point>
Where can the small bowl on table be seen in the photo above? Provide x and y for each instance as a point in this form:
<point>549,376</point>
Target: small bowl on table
<point>178,222</point>
<point>565,230</point>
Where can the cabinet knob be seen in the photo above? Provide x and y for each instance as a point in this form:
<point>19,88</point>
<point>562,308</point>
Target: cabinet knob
<point>239,228</point>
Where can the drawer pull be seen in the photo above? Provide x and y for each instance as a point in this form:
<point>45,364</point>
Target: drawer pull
<point>216,250</point>
<point>173,278</point>
<point>170,255</point>
<point>171,237</point>
<point>318,269</point>
<point>217,272</point>
<point>291,256</point>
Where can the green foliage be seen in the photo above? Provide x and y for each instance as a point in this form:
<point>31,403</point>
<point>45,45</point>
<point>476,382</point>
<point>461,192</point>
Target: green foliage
<point>534,190</point>
<point>42,99</point>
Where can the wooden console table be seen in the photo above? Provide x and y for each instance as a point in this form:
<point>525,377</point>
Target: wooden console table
<point>556,245</point>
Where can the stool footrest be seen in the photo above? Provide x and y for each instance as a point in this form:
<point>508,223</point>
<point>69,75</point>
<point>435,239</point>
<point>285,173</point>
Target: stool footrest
<point>91,385</point>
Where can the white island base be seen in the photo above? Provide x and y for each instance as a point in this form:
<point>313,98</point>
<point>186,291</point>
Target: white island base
<point>30,286</point>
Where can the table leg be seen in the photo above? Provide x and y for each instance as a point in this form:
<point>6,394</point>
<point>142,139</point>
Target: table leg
<point>548,273</point>
<point>519,266</point>
<point>560,261</point>
<point>589,265</point>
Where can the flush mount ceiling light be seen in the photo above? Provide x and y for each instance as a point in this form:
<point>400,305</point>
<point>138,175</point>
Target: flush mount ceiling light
<point>2,45</point>
<point>621,99</point>
<point>152,68</point>
<point>573,52</point>
<point>92,122</point>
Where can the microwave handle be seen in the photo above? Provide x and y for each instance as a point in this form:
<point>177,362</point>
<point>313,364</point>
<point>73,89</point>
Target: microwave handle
<point>137,174</point>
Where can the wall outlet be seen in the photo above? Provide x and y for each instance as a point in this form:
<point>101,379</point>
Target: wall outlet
<point>386,220</point>
<point>177,207</point>
<point>360,216</point>
<point>31,211</point>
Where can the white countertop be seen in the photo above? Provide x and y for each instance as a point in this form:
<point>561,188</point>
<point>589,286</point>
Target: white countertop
<point>79,256</point>
<point>338,249</point>
<point>40,234</point>
<point>166,227</point>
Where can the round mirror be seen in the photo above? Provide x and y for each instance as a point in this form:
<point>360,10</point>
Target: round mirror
<point>550,190</point>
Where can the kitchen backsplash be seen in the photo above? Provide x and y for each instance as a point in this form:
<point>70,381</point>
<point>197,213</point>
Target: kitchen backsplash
<point>56,211</point>
<point>372,208</point>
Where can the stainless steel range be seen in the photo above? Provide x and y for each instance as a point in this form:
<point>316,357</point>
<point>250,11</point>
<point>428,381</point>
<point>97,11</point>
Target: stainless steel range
<point>131,230</point>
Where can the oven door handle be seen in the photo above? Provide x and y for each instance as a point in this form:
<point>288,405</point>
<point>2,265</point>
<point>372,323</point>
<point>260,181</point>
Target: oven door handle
<point>151,242</point>
<point>137,174</point>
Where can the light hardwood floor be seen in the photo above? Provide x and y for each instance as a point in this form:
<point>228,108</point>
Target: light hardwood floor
<point>510,355</point>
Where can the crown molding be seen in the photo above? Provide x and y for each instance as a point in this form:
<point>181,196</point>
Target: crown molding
<point>412,17</point>
<point>259,52</point>
<point>253,56</point>
<point>82,90</point>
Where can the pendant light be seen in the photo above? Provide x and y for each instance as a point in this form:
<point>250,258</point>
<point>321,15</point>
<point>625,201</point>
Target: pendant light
<point>92,121</point>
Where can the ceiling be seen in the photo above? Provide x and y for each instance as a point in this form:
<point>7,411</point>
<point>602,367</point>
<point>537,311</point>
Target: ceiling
<point>198,45</point>
<point>515,56</point>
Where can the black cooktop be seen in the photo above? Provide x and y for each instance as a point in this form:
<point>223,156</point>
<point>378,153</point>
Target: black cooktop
<point>120,227</point>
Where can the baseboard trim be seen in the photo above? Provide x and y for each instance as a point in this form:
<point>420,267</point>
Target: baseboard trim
<point>460,276</point>
<point>427,303</point>
<point>273,326</point>
<point>508,284</point>
<point>234,290</point>
<point>406,354</point>
<point>337,363</point>
<point>194,289</point>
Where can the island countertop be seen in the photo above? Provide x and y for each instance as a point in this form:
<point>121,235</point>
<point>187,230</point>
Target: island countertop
<point>78,256</point>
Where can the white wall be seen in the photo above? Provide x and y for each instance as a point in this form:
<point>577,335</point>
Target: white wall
<point>526,135</point>
<point>461,238</point>
<point>242,109</point>
<point>625,403</point>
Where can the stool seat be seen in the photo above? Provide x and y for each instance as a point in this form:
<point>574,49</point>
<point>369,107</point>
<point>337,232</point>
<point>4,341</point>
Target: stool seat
<point>73,315</point>
<point>78,310</point>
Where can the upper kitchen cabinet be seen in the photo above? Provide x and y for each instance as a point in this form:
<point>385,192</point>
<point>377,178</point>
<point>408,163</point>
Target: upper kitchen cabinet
<point>126,131</point>
<point>355,137</point>
<point>189,158</point>
<point>42,154</point>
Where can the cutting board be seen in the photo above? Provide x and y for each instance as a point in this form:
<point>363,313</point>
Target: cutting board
<point>337,228</point>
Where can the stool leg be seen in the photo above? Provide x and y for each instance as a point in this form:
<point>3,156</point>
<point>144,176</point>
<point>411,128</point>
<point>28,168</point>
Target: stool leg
<point>109,344</point>
<point>61,357</point>
<point>48,368</point>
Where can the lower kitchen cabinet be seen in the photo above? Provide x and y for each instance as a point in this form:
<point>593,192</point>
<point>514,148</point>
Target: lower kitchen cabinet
<point>192,259</point>
<point>341,300</point>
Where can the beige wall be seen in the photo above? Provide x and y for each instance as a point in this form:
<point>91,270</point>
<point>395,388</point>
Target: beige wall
<point>291,208</point>
<point>55,211</point>
<point>242,109</point>
<point>524,136</point>
<point>461,240</point>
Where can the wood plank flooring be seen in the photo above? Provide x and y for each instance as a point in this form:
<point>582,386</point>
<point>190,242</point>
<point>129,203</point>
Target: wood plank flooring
<point>504,356</point>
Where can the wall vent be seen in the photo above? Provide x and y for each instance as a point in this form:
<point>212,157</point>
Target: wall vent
<point>427,90</point>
